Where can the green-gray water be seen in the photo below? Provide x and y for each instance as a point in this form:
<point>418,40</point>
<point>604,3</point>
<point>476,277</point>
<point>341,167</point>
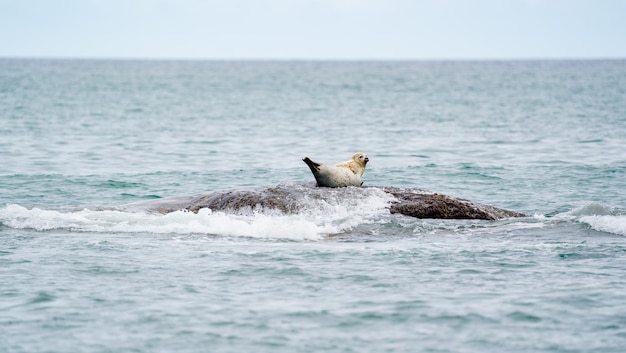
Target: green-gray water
<point>80,137</point>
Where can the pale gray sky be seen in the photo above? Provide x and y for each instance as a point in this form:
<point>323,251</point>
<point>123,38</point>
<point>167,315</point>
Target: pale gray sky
<point>314,29</point>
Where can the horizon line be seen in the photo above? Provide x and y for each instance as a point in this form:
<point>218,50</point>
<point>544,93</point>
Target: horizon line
<point>303,59</point>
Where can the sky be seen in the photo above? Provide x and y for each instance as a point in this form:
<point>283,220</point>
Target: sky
<point>314,29</point>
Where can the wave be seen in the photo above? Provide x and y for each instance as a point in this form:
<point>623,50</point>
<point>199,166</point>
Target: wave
<point>599,217</point>
<point>347,211</point>
<point>609,224</point>
<point>319,219</point>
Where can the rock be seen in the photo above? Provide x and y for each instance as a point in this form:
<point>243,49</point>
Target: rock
<point>426,205</point>
<point>295,198</point>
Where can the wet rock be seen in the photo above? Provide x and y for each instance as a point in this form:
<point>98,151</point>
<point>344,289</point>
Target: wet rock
<point>295,198</point>
<point>428,205</point>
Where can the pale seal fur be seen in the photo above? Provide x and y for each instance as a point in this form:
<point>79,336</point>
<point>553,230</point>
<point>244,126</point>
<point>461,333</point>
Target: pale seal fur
<point>346,173</point>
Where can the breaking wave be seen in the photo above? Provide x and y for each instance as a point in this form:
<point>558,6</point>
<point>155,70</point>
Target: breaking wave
<point>600,217</point>
<point>610,224</point>
<point>317,219</point>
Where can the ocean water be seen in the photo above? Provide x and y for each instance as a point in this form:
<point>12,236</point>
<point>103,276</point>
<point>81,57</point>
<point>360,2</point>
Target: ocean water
<point>79,138</point>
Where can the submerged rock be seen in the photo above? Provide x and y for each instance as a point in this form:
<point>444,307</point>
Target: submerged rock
<point>296,198</point>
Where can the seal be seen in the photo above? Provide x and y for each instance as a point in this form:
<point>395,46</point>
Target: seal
<point>342,174</point>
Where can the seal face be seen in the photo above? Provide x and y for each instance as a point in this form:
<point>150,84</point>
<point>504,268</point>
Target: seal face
<point>342,174</point>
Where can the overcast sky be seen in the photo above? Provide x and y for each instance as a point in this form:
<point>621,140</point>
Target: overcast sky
<point>313,29</point>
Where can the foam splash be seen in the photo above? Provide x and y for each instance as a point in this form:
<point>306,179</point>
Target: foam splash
<point>609,224</point>
<point>598,216</point>
<point>319,219</point>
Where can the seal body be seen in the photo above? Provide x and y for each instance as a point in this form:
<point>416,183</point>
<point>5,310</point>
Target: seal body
<point>342,174</point>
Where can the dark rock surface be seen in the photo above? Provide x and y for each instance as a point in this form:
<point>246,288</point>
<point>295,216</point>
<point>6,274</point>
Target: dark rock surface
<point>295,198</point>
<point>428,205</point>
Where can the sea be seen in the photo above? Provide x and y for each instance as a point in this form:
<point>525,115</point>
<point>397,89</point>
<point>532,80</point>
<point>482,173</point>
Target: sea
<point>80,138</point>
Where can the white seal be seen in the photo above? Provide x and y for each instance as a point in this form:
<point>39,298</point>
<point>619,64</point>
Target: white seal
<point>347,173</point>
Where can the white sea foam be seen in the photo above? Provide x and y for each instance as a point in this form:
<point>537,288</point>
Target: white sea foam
<point>319,219</point>
<point>611,224</point>
<point>598,216</point>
